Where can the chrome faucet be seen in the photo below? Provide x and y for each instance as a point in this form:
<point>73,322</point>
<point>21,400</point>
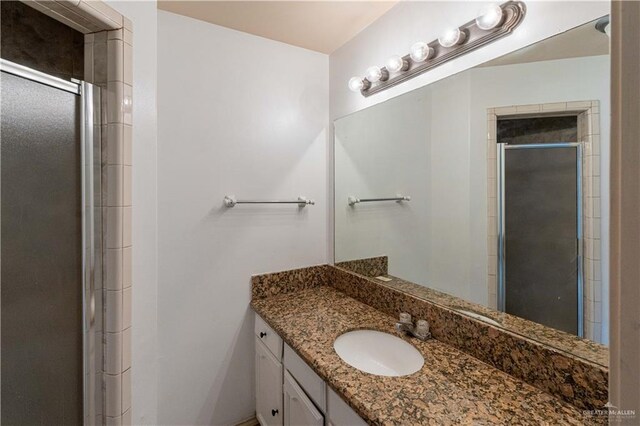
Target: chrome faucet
<point>419,331</point>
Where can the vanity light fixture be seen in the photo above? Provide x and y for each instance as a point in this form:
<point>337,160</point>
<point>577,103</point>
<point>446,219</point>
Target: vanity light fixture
<point>494,22</point>
<point>397,64</point>
<point>604,25</point>
<point>375,74</point>
<point>452,37</point>
<point>490,17</point>
<point>420,52</point>
<point>358,84</point>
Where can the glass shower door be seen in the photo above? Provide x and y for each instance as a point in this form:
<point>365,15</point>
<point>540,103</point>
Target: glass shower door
<point>540,268</point>
<point>49,225</point>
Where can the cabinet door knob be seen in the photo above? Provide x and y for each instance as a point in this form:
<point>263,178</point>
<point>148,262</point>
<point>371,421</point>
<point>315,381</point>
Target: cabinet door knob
<point>262,334</point>
<point>274,412</point>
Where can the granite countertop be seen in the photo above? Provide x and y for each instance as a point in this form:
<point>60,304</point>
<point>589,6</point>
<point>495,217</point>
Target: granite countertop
<point>571,344</point>
<point>451,388</point>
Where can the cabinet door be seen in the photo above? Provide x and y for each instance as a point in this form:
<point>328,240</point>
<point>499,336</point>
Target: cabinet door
<point>298,408</point>
<point>339,413</point>
<point>268,387</point>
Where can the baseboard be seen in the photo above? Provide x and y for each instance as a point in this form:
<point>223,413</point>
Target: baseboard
<point>252,421</point>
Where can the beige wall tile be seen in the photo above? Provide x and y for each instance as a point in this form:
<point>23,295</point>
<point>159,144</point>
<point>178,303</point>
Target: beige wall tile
<point>114,269</point>
<point>113,320</point>
<point>127,138</point>
<point>126,186</point>
<point>115,189</point>
<point>128,37</point>
<point>493,264</point>
<point>113,359</point>
<point>128,64</point>
<point>126,390</point>
<point>113,395</point>
<point>114,227</point>
<point>114,421</point>
<point>126,308</point>
<point>115,143</point>
<point>116,34</point>
<point>99,312</point>
<point>115,101</point>
<point>127,108</point>
<point>115,60</point>
<point>505,110</point>
<point>126,349</point>
<point>595,124</point>
<point>126,267</point>
<point>529,108</point>
<point>127,24</point>
<point>100,58</point>
<point>126,418</point>
<point>88,60</point>
<point>578,105</point>
<point>126,227</point>
<point>555,107</point>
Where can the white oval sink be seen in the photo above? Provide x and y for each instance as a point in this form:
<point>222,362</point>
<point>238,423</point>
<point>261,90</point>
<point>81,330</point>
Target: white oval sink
<point>378,353</point>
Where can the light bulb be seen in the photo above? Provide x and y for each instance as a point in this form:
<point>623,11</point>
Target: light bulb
<point>374,74</point>
<point>451,37</point>
<point>357,84</point>
<point>420,51</point>
<point>396,64</point>
<point>607,29</point>
<point>490,17</point>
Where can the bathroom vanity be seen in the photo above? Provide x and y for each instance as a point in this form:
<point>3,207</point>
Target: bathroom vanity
<point>288,391</point>
<point>301,379</point>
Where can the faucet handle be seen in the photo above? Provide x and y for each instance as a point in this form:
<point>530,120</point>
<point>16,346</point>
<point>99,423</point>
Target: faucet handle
<point>405,318</point>
<point>422,326</point>
<point>422,329</point>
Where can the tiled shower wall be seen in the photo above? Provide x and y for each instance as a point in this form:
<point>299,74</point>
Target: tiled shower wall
<point>588,113</point>
<point>108,63</point>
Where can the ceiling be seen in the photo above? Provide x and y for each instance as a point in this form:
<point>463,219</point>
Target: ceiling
<point>322,26</point>
<point>581,41</point>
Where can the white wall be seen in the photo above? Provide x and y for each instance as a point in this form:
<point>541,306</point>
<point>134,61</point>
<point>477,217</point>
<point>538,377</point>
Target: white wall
<point>144,263</point>
<point>431,144</point>
<point>242,115</point>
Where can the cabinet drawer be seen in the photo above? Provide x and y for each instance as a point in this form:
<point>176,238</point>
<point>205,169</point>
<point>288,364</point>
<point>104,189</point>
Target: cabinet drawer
<point>339,413</point>
<point>312,384</point>
<point>269,337</point>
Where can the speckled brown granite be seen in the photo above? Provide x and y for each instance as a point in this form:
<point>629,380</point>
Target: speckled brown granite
<point>451,388</point>
<point>574,379</point>
<point>369,267</point>
<point>272,284</point>
<point>571,344</point>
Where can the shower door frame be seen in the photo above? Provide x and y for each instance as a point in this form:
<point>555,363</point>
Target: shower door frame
<point>501,267</point>
<point>89,117</point>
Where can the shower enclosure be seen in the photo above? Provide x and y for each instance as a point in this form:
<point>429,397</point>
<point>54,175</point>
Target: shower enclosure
<point>540,233</point>
<point>51,330</point>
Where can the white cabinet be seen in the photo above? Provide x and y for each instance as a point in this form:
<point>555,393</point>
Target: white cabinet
<point>339,413</point>
<point>293,394</point>
<point>298,408</point>
<point>269,337</point>
<point>268,386</point>
<point>313,385</point>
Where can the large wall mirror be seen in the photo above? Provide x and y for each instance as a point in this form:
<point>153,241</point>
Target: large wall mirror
<point>490,190</point>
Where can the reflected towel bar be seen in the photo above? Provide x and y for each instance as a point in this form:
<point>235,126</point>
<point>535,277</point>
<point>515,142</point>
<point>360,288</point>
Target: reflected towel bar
<point>230,201</point>
<point>398,198</point>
